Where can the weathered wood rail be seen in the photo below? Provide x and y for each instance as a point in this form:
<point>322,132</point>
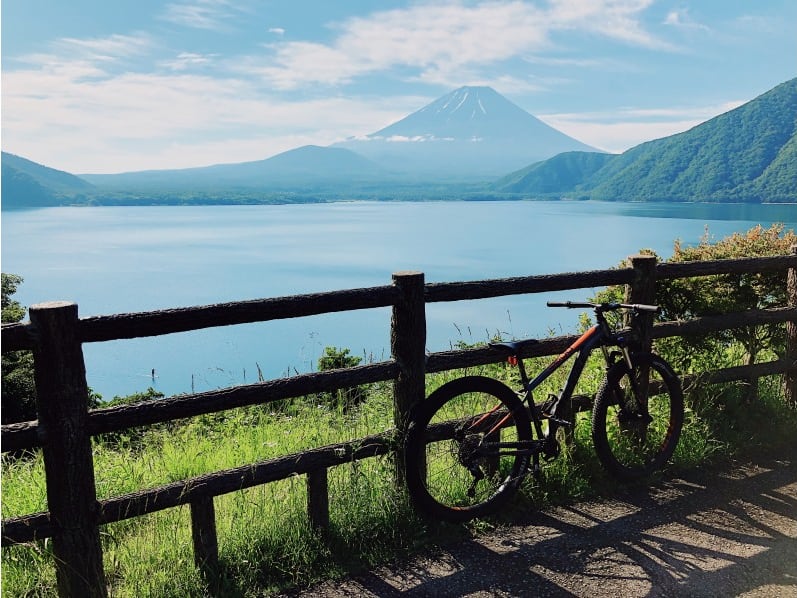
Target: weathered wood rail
<point>65,426</point>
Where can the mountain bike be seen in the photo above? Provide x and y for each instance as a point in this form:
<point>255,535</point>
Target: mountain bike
<point>472,442</point>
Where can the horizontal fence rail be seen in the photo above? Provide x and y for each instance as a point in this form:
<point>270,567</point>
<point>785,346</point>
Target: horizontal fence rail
<point>114,419</point>
<point>83,575</point>
<point>670,270</point>
<point>184,319</point>
<point>500,287</point>
<point>39,525</point>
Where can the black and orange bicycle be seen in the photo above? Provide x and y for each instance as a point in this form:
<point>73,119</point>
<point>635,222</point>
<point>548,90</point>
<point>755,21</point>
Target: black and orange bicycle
<point>471,443</point>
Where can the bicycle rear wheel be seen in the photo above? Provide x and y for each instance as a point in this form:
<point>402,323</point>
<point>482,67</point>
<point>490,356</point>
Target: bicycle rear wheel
<point>637,417</point>
<point>461,452</point>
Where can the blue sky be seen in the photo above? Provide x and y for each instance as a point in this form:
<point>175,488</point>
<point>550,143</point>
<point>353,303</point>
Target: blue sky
<point>92,86</point>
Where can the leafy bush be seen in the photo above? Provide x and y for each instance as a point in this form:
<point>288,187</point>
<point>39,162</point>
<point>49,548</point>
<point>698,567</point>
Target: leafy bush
<point>688,298</point>
<point>18,384</point>
<point>19,390</point>
<point>342,398</point>
<point>728,293</point>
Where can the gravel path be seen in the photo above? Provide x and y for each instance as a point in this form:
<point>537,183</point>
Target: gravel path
<point>722,533</point>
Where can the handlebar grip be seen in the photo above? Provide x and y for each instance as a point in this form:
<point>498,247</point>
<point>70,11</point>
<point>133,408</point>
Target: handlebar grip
<point>569,304</point>
<point>642,307</point>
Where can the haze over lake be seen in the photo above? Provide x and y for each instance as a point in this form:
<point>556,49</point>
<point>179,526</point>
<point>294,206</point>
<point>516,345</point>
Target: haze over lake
<point>113,260</point>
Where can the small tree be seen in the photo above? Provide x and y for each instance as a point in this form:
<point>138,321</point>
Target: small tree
<point>12,310</point>
<point>335,359</point>
<point>18,387</point>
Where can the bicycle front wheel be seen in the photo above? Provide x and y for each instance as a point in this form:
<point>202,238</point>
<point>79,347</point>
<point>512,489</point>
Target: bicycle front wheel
<point>637,417</point>
<point>467,449</point>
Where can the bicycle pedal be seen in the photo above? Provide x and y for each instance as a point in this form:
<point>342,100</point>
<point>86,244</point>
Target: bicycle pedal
<point>561,422</point>
<point>536,470</point>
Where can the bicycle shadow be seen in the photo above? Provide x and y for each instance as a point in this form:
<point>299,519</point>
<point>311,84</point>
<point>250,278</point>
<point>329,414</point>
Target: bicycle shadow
<point>715,534</point>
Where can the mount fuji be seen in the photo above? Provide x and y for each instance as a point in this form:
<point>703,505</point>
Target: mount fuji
<point>472,132</point>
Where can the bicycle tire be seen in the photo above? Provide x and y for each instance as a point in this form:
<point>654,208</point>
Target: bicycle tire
<point>444,444</point>
<point>630,445</point>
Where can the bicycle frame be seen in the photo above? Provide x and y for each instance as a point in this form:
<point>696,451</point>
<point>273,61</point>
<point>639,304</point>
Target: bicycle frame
<point>597,336</point>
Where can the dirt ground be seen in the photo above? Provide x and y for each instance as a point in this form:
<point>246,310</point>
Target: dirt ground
<point>726,532</point>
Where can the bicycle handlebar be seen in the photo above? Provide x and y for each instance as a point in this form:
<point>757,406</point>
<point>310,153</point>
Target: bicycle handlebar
<point>604,306</point>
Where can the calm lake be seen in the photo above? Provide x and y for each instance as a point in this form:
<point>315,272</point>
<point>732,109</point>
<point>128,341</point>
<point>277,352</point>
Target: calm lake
<point>129,259</point>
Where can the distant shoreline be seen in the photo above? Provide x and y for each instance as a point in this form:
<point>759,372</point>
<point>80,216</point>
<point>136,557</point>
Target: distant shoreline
<point>310,200</point>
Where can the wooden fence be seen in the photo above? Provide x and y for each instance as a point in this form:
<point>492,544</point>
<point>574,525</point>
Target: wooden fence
<point>65,426</point>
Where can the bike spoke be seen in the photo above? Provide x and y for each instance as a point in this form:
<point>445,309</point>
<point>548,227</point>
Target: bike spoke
<point>637,419</point>
<point>462,471</point>
<point>465,452</point>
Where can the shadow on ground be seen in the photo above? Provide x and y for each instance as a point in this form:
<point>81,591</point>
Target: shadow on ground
<point>728,533</point>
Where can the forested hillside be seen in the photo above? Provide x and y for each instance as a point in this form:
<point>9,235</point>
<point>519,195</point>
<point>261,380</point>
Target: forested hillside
<point>555,174</point>
<point>746,155</point>
<point>28,184</point>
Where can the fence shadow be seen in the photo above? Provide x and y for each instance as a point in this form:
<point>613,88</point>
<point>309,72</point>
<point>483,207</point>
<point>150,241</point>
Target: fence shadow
<point>700,534</point>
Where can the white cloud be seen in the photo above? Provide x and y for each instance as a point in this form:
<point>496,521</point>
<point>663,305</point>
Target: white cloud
<point>673,18</point>
<point>615,19</point>
<point>413,139</point>
<point>588,63</point>
<point>681,19</point>
<point>445,42</point>
<point>299,62</point>
<point>135,121</point>
<point>186,60</point>
<point>110,48</point>
<point>199,14</point>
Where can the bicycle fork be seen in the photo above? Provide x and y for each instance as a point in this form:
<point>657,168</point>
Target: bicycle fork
<point>637,415</point>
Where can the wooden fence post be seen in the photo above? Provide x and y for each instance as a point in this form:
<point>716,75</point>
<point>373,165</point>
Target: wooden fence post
<point>203,534</point>
<point>408,348</point>
<point>318,499</point>
<point>791,336</point>
<point>62,401</point>
<point>643,290</point>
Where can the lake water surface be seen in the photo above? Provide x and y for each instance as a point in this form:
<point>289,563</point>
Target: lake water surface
<point>129,259</point>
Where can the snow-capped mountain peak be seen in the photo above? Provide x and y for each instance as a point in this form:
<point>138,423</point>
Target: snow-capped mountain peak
<point>473,130</point>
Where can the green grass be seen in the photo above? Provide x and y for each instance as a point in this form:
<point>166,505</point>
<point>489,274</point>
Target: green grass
<point>265,541</point>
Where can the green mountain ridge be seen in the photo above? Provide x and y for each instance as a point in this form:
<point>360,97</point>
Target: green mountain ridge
<point>28,184</point>
<point>746,155</point>
<point>554,174</point>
